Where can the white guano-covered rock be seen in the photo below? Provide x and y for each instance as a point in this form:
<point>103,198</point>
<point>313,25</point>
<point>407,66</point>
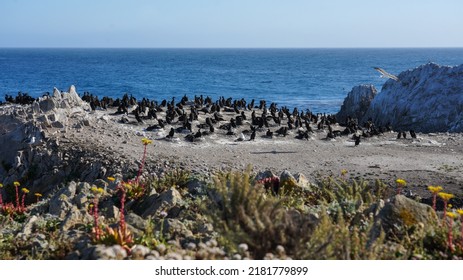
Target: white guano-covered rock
<point>356,103</point>
<point>426,99</point>
<point>60,100</point>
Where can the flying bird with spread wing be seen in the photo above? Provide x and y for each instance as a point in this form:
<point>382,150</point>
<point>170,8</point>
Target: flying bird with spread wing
<point>386,74</point>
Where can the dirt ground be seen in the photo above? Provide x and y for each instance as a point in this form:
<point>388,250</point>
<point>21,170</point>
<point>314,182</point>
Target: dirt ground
<point>430,159</point>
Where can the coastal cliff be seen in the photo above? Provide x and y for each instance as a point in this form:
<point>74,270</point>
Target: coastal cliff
<point>427,99</point>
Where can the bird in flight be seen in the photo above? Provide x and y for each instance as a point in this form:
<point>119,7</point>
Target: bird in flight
<point>386,74</point>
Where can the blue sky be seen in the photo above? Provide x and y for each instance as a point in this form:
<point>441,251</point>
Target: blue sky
<point>232,23</point>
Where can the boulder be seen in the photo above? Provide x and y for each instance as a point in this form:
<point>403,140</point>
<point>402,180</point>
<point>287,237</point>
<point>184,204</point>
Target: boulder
<point>73,98</point>
<point>264,174</point>
<point>75,217</point>
<point>402,211</point>
<point>138,252</point>
<point>302,181</point>
<point>83,187</point>
<point>69,190</point>
<point>174,228</point>
<point>356,103</point>
<point>288,182</point>
<point>60,100</point>
<point>166,199</point>
<point>29,225</point>
<point>46,104</point>
<point>60,206</point>
<point>59,125</point>
<point>115,252</point>
<point>425,99</point>
<point>135,221</point>
<point>81,200</point>
<point>61,203</point>
<point>108,209</point>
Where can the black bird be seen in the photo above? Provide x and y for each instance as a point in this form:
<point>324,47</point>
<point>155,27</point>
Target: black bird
<point>243,115</point>
<point>282,130</point>
<point>190,137</point>
<point>357,140</point>
<point>399,135</point>
<point>239,120</point>
<point>269,133</point>
<point>233,123</point>
<point>137,117</point>
<point>302,135</point>
<point>308,127</point>
<point>230,131</point>
<point>413,134</point>
<point>253,136</point>
<point>161,123</point>
<point>171,133</point>
<point>209,121</point>
<point>404,135</point>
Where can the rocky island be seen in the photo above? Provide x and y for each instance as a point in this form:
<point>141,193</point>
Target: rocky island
<point>209,179</point>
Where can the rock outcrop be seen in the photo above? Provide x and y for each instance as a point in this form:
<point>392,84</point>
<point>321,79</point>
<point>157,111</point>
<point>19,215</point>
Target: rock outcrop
<point>59,100</point>
<point>34,147</point>
<point>356,103</point>
<point>426,99</point>
<point>401,212</point>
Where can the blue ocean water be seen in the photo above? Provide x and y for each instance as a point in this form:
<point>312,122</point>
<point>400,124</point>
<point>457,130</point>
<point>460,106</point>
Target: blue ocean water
<point>315,79</point>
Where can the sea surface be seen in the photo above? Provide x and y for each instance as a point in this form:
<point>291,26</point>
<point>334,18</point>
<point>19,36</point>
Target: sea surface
<point>314,79</point>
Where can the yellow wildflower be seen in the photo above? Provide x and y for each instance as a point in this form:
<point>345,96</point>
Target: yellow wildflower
<point>460,211</point>
<point>146,141</point>
<point>445,196</point>
<point>435,189</point>
<point>343,172</point>
<point>401,182</point>
<point>24,190</point>
<point>1,185</point>
<point>111,179</point>
<point>452,215</point>
<point>16,184</point>
<point>96,190</point>
<point>38,194</point>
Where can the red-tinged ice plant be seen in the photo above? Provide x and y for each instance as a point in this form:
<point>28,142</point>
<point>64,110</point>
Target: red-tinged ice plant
<point>452,216</point>
<point>435,190</point>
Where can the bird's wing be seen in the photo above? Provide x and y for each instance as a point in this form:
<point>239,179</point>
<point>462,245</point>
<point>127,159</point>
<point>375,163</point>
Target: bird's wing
<point>386,74</point>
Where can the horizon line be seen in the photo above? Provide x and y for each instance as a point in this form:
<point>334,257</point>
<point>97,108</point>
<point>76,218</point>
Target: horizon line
<point>242,48</point>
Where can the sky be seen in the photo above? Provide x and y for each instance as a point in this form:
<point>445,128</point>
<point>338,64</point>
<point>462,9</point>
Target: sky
<point>231,23</point>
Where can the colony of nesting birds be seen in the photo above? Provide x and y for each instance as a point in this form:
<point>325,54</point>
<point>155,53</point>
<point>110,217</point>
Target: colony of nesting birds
<point>238,118</point>
<point>244,120</point>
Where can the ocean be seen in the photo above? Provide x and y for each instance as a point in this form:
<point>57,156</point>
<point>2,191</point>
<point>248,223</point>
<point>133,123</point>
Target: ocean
<point>313,79</point>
